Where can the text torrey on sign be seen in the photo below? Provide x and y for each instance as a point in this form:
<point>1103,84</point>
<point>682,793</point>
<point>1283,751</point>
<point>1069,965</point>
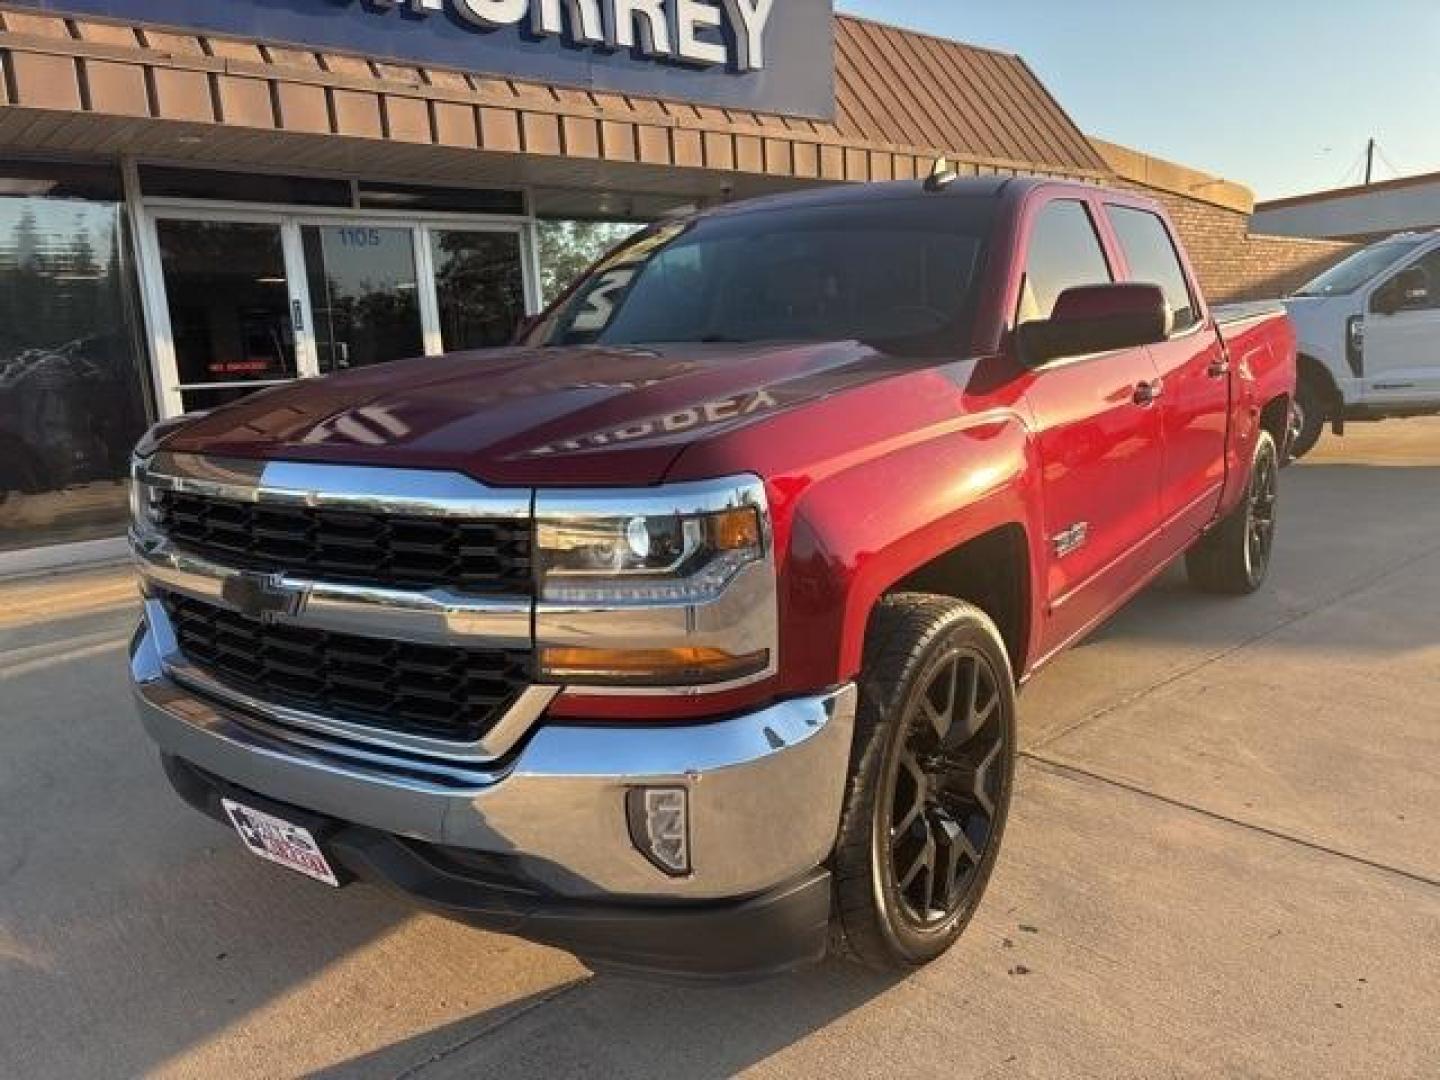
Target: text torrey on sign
<point>683,30</point>
<point>764,56</point>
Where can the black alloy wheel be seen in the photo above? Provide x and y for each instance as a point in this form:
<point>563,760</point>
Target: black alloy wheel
<point>943,793</point>
<point>1234,556</point>
<point>932,767</point>
<point>1260,521</point>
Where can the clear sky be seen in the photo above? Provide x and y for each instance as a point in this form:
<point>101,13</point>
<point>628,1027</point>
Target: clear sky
<point>1280,95</point>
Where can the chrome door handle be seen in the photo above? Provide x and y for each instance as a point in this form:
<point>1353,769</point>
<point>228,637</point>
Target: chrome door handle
<point>1147,393</point>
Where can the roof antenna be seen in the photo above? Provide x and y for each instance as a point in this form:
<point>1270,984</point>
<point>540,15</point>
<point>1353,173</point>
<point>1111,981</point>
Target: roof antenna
<point>942,175</point>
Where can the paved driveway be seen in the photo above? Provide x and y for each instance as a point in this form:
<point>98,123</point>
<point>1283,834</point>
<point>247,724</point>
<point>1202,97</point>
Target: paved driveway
<point>1224,860</point>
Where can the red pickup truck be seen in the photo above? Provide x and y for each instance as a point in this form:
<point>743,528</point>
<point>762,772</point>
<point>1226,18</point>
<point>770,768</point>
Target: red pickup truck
<point>686,633</point>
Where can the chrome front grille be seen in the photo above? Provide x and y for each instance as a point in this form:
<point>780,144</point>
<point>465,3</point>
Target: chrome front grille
<point>431,691</point>
<point>362,611</point>
<point>465,555</point>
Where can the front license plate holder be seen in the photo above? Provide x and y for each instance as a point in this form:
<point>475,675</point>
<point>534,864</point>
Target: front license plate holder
<point>279,841</point>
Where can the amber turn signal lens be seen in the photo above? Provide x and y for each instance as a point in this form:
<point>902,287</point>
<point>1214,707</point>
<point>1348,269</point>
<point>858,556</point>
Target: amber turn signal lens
<point>736,530</point>
<point>648,667</point>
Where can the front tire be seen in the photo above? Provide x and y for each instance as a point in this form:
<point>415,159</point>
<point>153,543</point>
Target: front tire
<point>1234,557</point>
<point>931,773</point>
<point>1308,418</point>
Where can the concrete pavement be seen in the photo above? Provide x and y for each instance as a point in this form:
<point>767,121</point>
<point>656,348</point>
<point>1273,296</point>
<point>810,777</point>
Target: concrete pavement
<point>1224,859</point>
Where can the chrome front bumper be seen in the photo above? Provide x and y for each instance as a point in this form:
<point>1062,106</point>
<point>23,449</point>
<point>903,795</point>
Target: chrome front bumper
<point>765,788</point>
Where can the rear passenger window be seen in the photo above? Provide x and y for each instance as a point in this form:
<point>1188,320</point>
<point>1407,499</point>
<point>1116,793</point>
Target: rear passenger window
<point>1065,251</point>
<point>1151,255</point>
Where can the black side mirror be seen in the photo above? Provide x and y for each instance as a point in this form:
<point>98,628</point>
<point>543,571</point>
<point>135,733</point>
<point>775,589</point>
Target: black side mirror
<point>1408,289</point>
<point>1096,319</point>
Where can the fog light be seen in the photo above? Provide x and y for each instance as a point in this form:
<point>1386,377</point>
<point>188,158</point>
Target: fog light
<point>660,826</point>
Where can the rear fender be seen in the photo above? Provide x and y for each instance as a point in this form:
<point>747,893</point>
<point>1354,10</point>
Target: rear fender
<point>1263,362</point>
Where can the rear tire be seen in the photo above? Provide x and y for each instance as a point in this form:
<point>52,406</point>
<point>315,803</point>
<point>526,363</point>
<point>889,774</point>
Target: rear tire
<point>1234,557</point>
<point>931,773</point>
<point>1309,416</point>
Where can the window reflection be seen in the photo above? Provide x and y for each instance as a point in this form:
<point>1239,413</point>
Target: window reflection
<point>364,295</point>
<point>229,305</point>
<point>71,403</point>
<point>480,287</point>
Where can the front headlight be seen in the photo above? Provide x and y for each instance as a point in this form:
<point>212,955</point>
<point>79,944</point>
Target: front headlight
<point>669,587</point>
<point>640,559</point>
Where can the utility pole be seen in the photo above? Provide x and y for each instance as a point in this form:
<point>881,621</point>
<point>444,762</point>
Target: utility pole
<point>1369,162</point>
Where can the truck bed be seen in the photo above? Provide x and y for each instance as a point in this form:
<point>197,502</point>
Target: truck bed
<point>1229,314</point>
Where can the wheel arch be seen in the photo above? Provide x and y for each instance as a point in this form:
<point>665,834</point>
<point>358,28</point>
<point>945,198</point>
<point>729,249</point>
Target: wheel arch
<point>1275,418</point>
<point>990,571</point>
<point>1316,373</point>
<point>945,516</point>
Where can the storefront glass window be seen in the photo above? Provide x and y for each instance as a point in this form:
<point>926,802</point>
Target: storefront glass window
<point>479,285</point>
<point>71,398</point>
<point>229,307</point>
<point>569,248</point>
<point>364,294</point>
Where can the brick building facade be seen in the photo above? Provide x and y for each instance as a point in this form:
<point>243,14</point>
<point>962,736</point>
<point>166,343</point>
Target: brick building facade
<point>1213,217</point>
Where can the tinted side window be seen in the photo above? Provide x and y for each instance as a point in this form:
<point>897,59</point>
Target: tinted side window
<point>1151,255</point>
<point>1429,300</point>
<point>1065,251</point>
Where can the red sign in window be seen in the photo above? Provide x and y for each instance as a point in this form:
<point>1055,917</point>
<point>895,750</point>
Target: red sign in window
<point>239,367</point>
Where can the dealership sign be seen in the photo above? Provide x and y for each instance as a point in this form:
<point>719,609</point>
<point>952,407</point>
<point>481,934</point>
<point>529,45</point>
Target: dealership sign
<point>761,55</point>
<point>673,29</point>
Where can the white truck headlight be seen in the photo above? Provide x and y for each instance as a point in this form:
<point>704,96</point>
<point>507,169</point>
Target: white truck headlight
<point>630,559</point>
<point>665,587</point>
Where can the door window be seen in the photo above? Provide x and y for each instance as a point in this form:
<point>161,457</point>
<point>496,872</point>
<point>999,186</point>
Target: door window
<point>1416,288</point>
<point>1065,251</point>
<point>479,286</point>
<point>364,294</point>
<point>1151,256</point>
<point>229,304</point>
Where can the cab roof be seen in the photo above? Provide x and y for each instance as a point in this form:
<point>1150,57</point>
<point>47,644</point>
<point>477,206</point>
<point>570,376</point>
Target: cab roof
<point>893,190</point>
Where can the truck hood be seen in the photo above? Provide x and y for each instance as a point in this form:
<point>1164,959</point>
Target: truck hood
<point>1314,316</point>
<point>1303,305</point>
<point>553,416</point>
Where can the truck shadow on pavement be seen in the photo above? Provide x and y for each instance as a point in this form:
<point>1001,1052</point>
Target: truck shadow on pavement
<point>619,1027</point>
<point>1342,528</point>
<point>1354,578</point>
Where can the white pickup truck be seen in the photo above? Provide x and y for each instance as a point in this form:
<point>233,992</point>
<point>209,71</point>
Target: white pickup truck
<point>1369,331</point>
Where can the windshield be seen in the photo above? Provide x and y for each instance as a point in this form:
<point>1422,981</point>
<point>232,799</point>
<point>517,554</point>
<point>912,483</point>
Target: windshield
<point>1361,267</point>
<point>898,275</point>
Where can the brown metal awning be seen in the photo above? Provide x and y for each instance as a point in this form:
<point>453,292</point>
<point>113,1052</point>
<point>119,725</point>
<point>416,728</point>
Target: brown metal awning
<point>83,86</point>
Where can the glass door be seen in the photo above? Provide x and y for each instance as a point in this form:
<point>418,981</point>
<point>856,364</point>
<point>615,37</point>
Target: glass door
<point>479,286</point>
<point>233,315</point>
<point>364,294</point>
<point>246,298</point>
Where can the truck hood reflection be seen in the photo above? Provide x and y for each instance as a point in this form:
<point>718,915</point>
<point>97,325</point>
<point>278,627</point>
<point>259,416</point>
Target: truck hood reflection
<point>536,416</point>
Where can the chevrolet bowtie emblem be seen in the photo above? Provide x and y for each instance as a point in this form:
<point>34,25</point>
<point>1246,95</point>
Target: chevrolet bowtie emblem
<point>267,597</point>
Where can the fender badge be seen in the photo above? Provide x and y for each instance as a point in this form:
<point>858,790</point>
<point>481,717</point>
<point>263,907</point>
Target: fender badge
<point>1071,540</point>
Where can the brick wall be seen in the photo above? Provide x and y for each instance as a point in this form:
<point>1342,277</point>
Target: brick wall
<point>1234,264</point>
